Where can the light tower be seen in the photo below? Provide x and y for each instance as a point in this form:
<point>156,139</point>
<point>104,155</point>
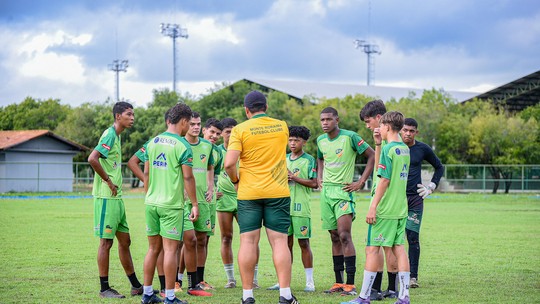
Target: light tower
<point>174,31</point>
<point>369,49</point>
<point>118,66</point>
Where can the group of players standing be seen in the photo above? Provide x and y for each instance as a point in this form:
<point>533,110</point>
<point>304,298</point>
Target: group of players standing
<point>259,184</point>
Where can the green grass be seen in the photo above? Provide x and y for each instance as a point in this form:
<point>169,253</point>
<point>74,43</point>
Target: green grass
<point>476,248</point>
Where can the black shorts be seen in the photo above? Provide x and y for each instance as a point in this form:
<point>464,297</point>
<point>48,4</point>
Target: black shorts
<point>274,213</point>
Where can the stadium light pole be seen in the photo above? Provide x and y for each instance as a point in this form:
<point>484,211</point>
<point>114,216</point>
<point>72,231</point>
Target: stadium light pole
<point>118,66</point>
<point>369,49</point>
<point>174,31</point>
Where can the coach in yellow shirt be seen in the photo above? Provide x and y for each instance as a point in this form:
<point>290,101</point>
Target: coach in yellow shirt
<point>260,144</point>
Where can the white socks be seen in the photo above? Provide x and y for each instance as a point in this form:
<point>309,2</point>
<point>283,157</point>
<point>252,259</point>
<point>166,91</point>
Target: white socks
<point>404,280</point>
<point>309,275</point>
<point>367,283</point>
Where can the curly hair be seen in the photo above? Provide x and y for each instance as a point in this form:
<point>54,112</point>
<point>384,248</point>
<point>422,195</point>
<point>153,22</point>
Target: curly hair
<point>299,131</point>
<point>178,112</point>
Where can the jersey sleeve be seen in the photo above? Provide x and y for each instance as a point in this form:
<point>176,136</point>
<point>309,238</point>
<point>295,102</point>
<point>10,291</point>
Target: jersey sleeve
<point>141,153</point>
<point>187,157</point>
<point>312,168</point>
<point>235,141</point>
<point>212,161</point>
<point>385,164</point>
<point>105,143</point>
<point>218,160</point>
<point>431,158</point>
<point>358,144</point>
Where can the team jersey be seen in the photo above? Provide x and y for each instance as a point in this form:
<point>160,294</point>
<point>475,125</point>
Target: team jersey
<point>339,155</point>
<point>304,167</point>
<point>394,165</point>
<point>111,161</point>
<point>375,178</point>
<point>141,153</point>
<point>262,142</point>
<point>224,182</point>
<point>202,159</point>
<point>216,154</point>
<point>166,154</point>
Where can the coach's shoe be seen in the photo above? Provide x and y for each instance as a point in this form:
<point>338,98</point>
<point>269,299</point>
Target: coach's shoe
<point>310,287</point>
<point>337,287</point>
<point>375,295</point>
<point>111,293</point>
<point>414,283</point>
<point>150,299</point>
<point>231,284</point>
<point>348,290</point>
<point>357,301</point>
<point>292,300</point>
<point>403,301</point>
<point>198,292</point>
<point>273,287</point>
<point>178,287</point>
<point>389,294</point>
<point>249,300</point>
<point>206,286</point>
<point>174,301</point>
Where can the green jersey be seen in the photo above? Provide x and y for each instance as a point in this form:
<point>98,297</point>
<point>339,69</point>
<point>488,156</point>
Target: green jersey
<point>224,182</point>
<point>303,167</point>
<point>218,159</point>
<point>141,153</point>
<point>339,156</point>
<point>166,154</point>
<point>394,165</point>
<point>111,161</point>
<point>202,159</point>
<point>375,177</point>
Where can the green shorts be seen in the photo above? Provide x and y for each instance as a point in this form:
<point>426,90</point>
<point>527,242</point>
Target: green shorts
<point>109,217</point>
<point>300,227</point>
<point>274,213</point>
<point>414,219</point>
<point>168,223</point>
<point>188,225</point>
<point>227,203</point>
<point>335,202</point>
<point>212,218</point>
<point>386,232</point>
<point>202,224</point>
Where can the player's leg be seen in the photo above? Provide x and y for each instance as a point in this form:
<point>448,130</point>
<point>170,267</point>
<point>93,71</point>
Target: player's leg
<point>412,230</point>
<point>201,255</point>
<point>349,252</point>
<point>124,241</point>
<point>170,262</point>
<point>402,260</point>
<point>329,222</point>
<point>307,261</point>
<point>190,258</point>
<point>392,271</point>
<point>153,224</point>
<point>161,273</point>
<point>225,220</point>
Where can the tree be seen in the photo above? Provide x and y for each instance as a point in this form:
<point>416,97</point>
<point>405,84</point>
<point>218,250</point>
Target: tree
<point>33,114</point>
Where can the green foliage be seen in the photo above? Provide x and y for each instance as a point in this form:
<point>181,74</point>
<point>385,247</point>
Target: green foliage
<point>33,114</point>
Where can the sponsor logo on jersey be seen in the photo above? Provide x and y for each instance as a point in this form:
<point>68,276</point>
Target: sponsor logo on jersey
<point>173,231</point>
<point>344,205</point>
<point>361,142</point>
<point>339,152</point>
<point>160,161</point>
<point>380,238</point>
<point>203,157</point>
<point>402,151</point>
<point>404,173</point>
<point>108,229</point>
<point>165,141</point>
<point>106,147</point>
<point>208,224</point>
<point>296,172</point>
<point>304,230</point>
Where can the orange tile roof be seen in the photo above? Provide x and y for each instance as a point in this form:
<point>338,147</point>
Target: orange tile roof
<point>9,139</point>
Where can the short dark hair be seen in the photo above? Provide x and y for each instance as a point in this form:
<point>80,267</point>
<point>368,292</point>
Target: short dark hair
<point>195,114</point>
<point>120,107</point>
<point>228,122</point>
<point>212,122</point>
<point>299,131</point>
<point>393,119</point>
<point>330,110</point>
<point>178,112</point>
<point>411,122</point>
<point>372,109</point>
<point>167,115</point>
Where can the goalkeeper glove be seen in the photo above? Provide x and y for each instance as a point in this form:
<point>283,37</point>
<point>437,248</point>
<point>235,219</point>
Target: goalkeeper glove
<point>425,191</point>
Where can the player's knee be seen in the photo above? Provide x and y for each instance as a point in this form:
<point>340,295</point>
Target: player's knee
<point>345,238</point>
<point>106,244</point>
<point>303,243</point>
<point>334,236</point>
<point>226,239</point>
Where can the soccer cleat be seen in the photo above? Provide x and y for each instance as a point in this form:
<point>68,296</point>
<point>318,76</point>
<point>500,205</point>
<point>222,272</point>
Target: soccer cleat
<point>389,294</point>
<point>348,290</point>
<point>375,295</point>
<point>178,287</point>
<point>337,287</point>
<point>256,285</point>
<point>231,284</point>
<point>310,287</point>
<point>273,287</point>
<point>405,300</point>
<point>249,300</point>
<point>206,286</point>
<point>146,299</point>
<point>292,300</point>
<point>414,283</point>
<point>357,301</point>
<point>174,301</point>
<point>111,293</point>
<point>198,292</point>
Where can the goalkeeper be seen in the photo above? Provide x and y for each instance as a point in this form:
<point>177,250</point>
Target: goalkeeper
<point>416,191</point>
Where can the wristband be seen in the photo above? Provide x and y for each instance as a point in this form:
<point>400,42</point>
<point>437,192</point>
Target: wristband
<point>377,144</point>
<point>236,182</point>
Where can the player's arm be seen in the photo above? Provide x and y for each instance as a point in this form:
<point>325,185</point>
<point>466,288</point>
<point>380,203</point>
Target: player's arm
<point>320,167</point>
<point>379,193</point>
<point>189,187</point>
<point>133,165</point>
<point>210,183</point>
<point>311,182</point>
<point>359,184</point>
<point>230,166</point>
<point>430,157</point>
<point>93,160</point>
<point>146,175</point>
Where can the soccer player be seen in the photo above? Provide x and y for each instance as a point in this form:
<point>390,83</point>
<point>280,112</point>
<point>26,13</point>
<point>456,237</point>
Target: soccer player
<point>168,172</point>
<point>109,212</point>
<point>387,215</point>
<point>416,191</point>
<point>336,154</point>
<point>371,114</point>
<point>302,170</point>
<point>260,144</point>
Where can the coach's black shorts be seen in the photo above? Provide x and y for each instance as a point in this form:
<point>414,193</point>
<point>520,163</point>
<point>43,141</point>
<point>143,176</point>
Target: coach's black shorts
<point>274,213</point>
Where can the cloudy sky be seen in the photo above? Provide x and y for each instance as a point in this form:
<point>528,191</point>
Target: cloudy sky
<point>61,48</point>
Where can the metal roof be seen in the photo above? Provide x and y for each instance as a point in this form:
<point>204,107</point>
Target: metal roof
<point>10,139</point>
<point>515,95</point>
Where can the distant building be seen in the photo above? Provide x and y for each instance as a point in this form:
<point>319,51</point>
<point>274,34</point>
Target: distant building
<point>36,161</point>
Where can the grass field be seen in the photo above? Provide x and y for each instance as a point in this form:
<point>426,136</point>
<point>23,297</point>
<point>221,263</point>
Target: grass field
<point>476,248</point>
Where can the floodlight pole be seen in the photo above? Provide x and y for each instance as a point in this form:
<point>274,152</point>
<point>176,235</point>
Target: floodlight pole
<point>369,49</point>
<point>118,66</point>
<point>174,31</point>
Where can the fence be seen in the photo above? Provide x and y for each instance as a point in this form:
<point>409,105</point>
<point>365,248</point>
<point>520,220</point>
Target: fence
<point>47,176</point>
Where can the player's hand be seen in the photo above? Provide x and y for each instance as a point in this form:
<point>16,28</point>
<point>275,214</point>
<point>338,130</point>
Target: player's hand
<point>219,195</point>
<point>371,216</point>
<point>319,183</point>
<point>290,175</point>
<point>194,214</point>
<point>113,187</point>
<point>377,136</point>
<point>355,186</point>
<point>208,195</point>
<point>425,191</point>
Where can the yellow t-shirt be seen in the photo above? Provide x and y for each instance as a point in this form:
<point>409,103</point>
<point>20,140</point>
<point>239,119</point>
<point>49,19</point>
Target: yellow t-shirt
<point>262,142</point>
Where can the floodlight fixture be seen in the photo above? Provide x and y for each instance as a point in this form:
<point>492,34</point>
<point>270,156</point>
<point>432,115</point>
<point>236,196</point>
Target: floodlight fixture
<point>369,49</point>
<point>118,66</point>
<point>174,31</point>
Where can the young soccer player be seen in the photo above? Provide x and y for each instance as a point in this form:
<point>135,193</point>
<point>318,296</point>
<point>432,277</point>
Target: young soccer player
<point>387,215</point>
<point>302,170</point>
<point>109,212</point>
<point>417,192</point>
<point>167,173</point>
<point>336,154</point>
